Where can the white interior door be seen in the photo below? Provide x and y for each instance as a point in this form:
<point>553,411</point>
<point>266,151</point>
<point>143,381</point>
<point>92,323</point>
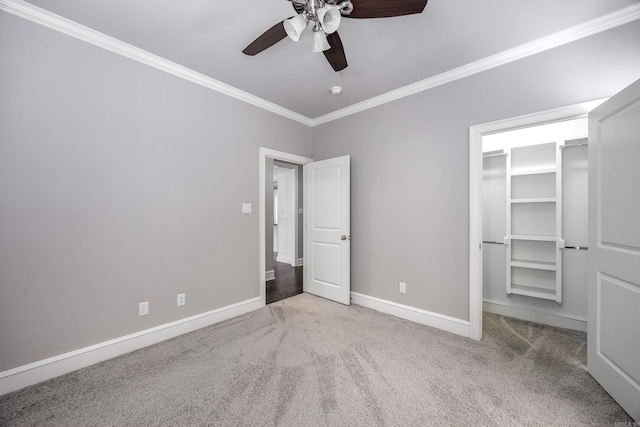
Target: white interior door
<point>328,208</point>
<point>286,216</point>
<point>614,246</point>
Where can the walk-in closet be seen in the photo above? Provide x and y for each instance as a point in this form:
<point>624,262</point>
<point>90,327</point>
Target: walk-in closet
<point>534,211</point>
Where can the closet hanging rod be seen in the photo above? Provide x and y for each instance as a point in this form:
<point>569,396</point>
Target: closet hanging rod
<point>573,144</point>
<point>486,156</point>
<point>578,248</point>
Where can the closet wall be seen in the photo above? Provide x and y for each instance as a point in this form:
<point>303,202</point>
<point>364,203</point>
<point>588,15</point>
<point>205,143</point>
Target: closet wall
<point>517,203</point>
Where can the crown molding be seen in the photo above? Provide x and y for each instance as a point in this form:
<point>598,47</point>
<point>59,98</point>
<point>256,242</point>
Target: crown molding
<point>606,22</point>
<point>55,22</point>
<point>43,17</point>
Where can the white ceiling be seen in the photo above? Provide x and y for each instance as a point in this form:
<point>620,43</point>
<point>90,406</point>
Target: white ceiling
<point>383,54</point>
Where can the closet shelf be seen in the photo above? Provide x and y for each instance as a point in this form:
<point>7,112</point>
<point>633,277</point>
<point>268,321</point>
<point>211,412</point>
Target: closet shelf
<point>533,196</point>
<point>535,200</point>
<point>533,171</point>
<point>536,237</point>
<point>538,265</point>
<point>531,293</point>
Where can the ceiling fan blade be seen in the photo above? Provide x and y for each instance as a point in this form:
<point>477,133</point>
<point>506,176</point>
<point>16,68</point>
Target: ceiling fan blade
<point>385,8</point>
<point>270,37</point>
<point>335,55</point>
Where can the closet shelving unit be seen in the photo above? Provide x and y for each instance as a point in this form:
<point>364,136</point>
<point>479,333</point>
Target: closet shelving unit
<point>533,216</point>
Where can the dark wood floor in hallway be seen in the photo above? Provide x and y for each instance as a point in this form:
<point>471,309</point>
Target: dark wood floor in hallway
<point>288,282</point>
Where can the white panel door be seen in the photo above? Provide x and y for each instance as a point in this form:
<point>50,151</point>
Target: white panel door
<point>614,247</point>
<point>328,191</point>
<point>286,216</point>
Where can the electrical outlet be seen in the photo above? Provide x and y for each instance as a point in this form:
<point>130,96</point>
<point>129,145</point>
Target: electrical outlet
<point>182,299</point>
<point>403,288</point>
<point>143,308</point>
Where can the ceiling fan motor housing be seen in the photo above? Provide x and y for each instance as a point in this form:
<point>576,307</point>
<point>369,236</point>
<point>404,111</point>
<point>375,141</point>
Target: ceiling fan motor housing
<point>311,7</point>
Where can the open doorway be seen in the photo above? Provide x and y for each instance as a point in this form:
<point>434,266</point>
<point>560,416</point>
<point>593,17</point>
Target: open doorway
<point>284,276</point>
<point>534,223</point>
<point>285,265</point>
<point>476,247</point>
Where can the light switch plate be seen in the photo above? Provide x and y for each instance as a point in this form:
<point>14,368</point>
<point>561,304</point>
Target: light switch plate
<point>246,208</point>
<point>143,308</point>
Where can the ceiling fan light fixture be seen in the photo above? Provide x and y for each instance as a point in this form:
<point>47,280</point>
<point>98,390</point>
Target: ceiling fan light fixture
<point>320,43</point>
<point>295,26</point>
<point>329,18</point>
<point>345,7</point>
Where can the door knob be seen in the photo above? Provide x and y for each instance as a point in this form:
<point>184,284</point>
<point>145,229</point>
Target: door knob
<point>343,237</point>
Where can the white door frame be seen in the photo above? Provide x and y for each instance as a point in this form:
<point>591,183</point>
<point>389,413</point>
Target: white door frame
<point>263,155</point>
<point>475,193</point>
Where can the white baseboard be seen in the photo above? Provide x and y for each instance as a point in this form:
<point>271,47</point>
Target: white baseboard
<point>22,376</point>
<point>299,262</point>
<point>270,275</point>
<point>440,321</point>
<point>558,320</point>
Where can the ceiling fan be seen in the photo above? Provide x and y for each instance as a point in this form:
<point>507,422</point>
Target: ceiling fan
<point>325,16</point>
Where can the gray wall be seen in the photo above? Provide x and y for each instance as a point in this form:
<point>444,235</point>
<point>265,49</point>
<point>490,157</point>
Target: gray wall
<point>410,164</point>
<point>119,184</point>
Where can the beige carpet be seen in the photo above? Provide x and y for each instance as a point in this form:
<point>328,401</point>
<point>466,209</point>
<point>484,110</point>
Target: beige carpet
<point>306,361</point>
